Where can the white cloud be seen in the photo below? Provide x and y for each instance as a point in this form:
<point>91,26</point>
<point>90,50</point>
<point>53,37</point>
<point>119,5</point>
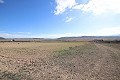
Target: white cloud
<point>24,33</point>
<point>100,6</point>
<point>8,35</point>
<point>101,32</point>
<point>62,5</point>
<point>108,31</point>
<point>61,35</point>
<point>15,34</point>
<point>68,19</point>
<point>1,1</point>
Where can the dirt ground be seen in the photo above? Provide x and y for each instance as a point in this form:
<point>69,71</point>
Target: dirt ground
<point>59,61</point>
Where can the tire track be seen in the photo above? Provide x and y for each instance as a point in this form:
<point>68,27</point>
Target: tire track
<point>108,66</point>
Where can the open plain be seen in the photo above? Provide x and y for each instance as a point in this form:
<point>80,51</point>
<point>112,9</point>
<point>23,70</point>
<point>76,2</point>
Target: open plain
<point>59,61</point>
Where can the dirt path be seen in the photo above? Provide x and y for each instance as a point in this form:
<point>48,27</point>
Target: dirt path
<point>108,66</point>
<point>92,62</point>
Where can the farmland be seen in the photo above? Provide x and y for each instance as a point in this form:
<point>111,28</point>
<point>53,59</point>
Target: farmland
<point>59,61</point>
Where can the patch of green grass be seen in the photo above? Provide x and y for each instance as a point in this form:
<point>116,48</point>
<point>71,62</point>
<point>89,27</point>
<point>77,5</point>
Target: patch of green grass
<point>62,53</point>
<point>76,50</point>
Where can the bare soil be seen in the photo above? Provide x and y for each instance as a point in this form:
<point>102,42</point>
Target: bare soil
<point>89,61</point>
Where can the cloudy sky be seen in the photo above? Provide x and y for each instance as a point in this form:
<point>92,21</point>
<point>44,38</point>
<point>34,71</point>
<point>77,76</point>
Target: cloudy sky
<point>59,18</point>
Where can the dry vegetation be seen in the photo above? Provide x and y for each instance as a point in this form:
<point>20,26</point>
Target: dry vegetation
<point>113,45</point>
<point>33,49</point>
<point>16,57</point>
<point>59,61</point>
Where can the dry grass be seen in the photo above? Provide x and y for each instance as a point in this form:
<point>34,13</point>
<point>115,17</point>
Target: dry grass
<point>21,60</point>
<point>33,49</point>
<point>113,45</point>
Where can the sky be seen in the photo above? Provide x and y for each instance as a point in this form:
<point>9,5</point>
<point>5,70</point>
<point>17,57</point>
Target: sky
<point>59,18</point>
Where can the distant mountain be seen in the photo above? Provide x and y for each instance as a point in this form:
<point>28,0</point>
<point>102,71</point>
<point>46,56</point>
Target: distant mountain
<point>89,38</point>
<point>2,38</point>
<point>117,35</point>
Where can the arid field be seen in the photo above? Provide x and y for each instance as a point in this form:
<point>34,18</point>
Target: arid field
<point>59,61</point>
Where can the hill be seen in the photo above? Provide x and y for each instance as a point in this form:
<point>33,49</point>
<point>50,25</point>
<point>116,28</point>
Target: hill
<point>89,38</point>
<point>2,38</point>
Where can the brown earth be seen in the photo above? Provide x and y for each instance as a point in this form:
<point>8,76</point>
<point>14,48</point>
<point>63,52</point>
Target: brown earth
<point>89,61</point>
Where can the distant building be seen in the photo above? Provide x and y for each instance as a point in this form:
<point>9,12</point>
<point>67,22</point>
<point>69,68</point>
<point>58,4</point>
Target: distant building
<point>12,40</point>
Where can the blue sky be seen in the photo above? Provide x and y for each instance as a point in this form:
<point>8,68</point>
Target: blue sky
<point>59,18</point>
